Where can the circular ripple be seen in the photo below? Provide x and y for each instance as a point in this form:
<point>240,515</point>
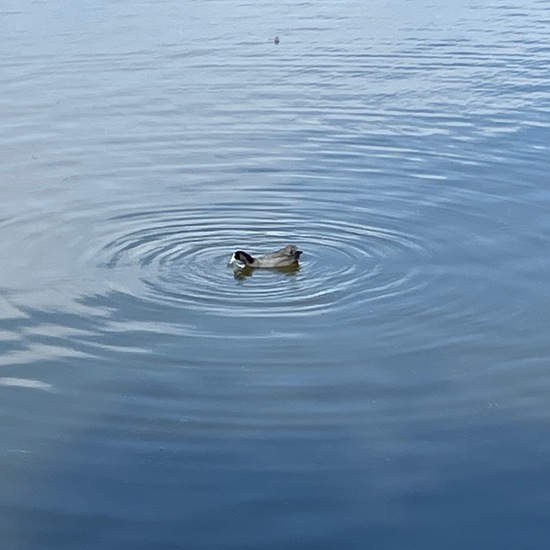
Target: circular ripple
<point>183,256</point>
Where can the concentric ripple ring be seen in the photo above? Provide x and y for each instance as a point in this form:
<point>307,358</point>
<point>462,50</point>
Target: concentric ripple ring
<point>183,254</point>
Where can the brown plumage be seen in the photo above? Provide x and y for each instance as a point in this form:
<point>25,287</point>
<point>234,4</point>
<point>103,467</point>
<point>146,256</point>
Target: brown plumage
<point>287,256</point>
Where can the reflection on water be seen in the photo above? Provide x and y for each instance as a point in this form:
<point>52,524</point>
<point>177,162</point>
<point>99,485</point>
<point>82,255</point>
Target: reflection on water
<point>390,392</point>
<point>241,273</point>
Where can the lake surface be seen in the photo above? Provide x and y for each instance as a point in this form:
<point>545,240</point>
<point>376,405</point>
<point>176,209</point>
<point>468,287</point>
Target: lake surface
<point>392,393</point>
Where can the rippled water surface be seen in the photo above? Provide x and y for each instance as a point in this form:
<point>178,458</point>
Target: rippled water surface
<point>392,392</point>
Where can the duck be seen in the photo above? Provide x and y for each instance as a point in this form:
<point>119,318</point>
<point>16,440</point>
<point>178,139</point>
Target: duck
<point>286,257</point>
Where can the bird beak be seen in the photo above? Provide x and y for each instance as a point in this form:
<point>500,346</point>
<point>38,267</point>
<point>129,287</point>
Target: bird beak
<point>233,262</point>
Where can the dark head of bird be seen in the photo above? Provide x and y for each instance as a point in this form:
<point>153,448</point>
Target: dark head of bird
<point>243,257</point>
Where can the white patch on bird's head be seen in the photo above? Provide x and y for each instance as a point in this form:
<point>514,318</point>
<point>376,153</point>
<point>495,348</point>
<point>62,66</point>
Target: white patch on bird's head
<point>233,262</point>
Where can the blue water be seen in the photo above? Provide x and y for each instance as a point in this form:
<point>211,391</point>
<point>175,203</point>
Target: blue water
<point>392,393</point>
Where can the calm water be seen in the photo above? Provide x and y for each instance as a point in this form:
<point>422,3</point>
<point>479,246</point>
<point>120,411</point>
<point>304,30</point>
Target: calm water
<point>391,394</point>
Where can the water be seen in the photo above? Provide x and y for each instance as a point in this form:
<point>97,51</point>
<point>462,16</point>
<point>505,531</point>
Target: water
<point>392,393</point>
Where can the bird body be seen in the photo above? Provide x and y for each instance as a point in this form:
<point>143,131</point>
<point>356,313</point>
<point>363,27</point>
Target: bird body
<point>287,256</point>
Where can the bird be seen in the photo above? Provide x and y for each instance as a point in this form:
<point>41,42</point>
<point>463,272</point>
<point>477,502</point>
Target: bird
<point>287,256</point>
<point>276,40</point>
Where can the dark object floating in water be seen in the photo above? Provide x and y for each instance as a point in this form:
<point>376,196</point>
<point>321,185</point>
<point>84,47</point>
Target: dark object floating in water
<point>276,40</point>
<point>287,256</point>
